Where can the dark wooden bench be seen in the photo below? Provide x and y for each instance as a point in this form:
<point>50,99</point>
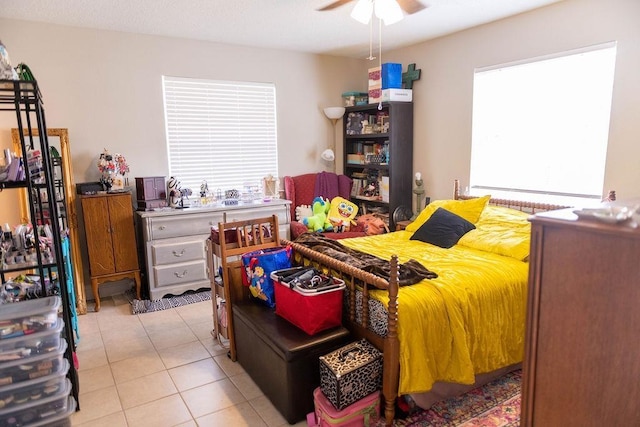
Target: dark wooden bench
<point>278,356</point>
<point>281,358</point>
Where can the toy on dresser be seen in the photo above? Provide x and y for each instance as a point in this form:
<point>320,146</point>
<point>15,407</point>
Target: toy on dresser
<point>178,196</point>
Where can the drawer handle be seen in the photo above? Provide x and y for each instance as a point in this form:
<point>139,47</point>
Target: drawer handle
<point>180,276</point>
<point>162,227</point>
<point>176,254</point>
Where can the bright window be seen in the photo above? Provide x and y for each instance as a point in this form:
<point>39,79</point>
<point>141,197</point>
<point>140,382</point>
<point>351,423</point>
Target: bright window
<point>540,127</point>
<point>222,132</point>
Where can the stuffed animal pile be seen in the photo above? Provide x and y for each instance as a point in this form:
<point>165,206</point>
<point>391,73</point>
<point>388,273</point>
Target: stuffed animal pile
<point>336,216</point>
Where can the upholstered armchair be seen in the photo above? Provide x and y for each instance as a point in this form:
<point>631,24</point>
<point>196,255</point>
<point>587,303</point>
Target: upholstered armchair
<point>302,189</point>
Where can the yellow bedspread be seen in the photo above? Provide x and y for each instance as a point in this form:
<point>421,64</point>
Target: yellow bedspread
<point>469,320</point>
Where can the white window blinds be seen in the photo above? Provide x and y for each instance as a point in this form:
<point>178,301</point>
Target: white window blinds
<point>542,126</point>
<point>222,132</point>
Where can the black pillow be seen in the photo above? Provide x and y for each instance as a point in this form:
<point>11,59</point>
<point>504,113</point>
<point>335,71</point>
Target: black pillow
<point>443,228</point>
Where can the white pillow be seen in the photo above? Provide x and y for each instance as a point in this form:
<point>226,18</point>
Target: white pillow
<point>303,211</point>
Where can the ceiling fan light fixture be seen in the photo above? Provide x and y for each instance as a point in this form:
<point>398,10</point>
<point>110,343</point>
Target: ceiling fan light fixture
<point>362,11</point>
<point>388,10</point>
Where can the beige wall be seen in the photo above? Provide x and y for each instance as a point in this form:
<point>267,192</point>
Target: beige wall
<point>443,96</point>
<point>106,88</point>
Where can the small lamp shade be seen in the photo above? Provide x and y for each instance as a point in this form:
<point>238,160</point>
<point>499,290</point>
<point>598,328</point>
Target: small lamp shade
<point>328,155</point>
<point>334,113</point>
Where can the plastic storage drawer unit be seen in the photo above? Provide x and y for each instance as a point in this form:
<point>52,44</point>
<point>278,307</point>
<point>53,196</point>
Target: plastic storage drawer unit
<point>32,367</point>
<point>29,345</point>
<point>36,389</point>
<point>28,317</point>
<point>29,411</point>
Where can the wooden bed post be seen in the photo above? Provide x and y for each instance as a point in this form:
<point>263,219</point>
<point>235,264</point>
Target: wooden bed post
<point>391,361</point>
<point>456,189</point>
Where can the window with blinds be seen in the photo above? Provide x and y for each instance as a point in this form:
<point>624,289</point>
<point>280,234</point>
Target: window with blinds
<point>541,127</point>
<point>220,132</point>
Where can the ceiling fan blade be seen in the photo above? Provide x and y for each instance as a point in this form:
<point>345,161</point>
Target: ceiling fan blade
<point>411,6</point>
<point>334,5</point>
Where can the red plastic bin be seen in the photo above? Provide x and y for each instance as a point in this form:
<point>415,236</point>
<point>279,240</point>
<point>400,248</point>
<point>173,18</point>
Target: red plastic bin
<point>312,311</point>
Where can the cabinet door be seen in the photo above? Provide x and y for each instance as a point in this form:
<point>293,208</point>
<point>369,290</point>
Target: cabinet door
<point>160,187</point>
<point>149,188</point>
<point>98,230</point>
<point>123,233</point>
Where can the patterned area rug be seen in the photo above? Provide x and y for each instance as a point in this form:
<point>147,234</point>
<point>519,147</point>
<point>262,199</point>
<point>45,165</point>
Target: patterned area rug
<point>146,306</point>
<point>496,404</point>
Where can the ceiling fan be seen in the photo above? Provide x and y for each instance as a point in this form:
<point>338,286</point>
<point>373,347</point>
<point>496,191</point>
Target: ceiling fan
<point>408,6</point>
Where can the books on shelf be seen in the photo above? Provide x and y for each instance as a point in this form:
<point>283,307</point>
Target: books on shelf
<point>369,152</point>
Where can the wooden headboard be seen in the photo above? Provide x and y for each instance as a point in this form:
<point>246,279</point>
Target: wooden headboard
<point>522,205</point>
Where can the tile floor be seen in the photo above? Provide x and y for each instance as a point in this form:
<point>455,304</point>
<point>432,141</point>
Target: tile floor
<point>162,369</point>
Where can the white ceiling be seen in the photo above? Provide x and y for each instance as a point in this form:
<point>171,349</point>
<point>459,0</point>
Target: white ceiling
<point>276,24</point>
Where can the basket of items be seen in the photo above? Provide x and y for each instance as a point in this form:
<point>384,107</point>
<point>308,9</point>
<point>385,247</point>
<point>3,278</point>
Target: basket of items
<point>310,300</point>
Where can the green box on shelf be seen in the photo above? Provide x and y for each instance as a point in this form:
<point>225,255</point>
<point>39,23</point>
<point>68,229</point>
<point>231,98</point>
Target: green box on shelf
<point>355,98</point>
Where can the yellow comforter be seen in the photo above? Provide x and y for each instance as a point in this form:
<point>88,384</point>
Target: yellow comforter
<point>469,320</point>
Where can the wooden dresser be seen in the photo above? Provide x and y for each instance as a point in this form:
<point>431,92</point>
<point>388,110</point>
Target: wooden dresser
<point>582,355</point>
<point>111,240</point>
<point>175,242</point>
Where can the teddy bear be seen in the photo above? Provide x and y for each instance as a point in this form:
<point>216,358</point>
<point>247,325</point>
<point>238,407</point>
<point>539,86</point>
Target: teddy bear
<point>319,221</point>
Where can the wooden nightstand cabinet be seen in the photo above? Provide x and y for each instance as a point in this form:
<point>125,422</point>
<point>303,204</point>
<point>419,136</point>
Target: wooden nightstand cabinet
<point>111,240</point>
<point>581,365</point>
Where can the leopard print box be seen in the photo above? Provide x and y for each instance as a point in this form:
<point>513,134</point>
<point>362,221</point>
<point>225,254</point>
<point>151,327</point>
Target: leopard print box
<point>350,373</point>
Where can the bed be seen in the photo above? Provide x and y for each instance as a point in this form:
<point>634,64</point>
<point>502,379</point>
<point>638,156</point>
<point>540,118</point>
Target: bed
<point>462,322</point>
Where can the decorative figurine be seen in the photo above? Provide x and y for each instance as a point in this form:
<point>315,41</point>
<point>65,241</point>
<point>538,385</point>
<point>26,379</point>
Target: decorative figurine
<point>204,188</point>
<point>419,192</point>
<point>173,192</point>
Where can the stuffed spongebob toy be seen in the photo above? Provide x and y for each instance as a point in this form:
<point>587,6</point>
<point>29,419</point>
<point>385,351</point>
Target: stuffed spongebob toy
<point>319,220</point>
<point>342,214</point>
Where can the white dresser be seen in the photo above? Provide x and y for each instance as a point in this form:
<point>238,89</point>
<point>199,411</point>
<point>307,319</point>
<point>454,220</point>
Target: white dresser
<point>175,242</point>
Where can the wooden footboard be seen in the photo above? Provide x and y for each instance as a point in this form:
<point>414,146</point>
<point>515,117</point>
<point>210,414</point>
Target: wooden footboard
<point>356,278</point>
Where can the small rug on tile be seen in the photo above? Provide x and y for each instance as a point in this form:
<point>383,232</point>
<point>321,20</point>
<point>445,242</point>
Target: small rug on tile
<point>496,404</point>
<point>189,297</point>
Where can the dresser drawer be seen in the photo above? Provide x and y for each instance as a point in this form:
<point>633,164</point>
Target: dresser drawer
<point>184,225</point>
<point>184,272</point>
<point>174,252</point>
<point>259,212</point>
